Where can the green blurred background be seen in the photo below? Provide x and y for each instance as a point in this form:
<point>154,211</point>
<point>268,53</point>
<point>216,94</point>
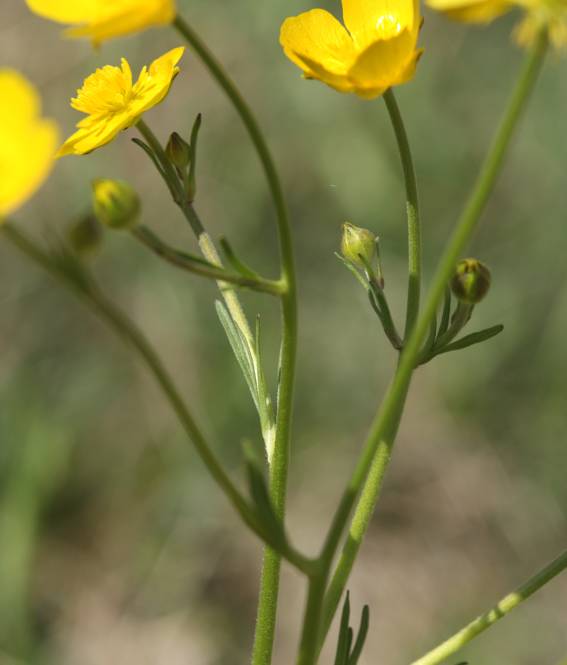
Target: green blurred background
<point>115,546</point>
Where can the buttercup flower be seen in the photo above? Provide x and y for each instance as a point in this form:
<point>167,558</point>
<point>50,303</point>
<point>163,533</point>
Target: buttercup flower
<point>27,142</point>
<point>99,20</point>
<point>112,103</point>
<point>538,14</point>
<point>376,50</point>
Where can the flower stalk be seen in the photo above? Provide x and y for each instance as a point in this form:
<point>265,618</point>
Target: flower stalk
<point>377,450</point>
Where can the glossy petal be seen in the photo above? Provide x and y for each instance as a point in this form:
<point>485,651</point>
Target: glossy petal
<point>317,43</point>
<point>27,142</point>
<point>372,20</point>
<point>383,64</point>
<point>378,52</point>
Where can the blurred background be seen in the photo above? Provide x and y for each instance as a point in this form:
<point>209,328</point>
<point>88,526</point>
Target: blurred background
<point>115,545</point>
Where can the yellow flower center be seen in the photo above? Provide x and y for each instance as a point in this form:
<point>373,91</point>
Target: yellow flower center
<point>388,26</point>
<point>108,90</point>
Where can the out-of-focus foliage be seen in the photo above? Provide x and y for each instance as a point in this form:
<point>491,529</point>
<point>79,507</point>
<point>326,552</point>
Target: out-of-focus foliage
<point>125,548</point>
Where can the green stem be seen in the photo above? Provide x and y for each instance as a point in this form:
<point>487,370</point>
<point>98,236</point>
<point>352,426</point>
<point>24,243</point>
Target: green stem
<point>499,611</point>
<point>206,244</point>
<point>131,334</point>
<point>181,260</point>
<point>412,206</point>
<point>376,450</point>
<point>269,586</point>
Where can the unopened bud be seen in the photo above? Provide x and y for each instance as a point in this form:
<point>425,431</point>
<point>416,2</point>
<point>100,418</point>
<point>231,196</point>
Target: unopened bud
<point>471,281</point>
<point>178,152</point>
<point>85,236</point>
<point>116,204</point>
<point>358,245</point>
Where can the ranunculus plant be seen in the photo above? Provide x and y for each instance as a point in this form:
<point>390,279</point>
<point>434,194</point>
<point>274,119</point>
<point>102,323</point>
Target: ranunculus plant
<point>376,47</point>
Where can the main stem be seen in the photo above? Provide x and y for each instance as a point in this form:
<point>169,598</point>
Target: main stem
<point>269,585</point>
<point>412,208</point>
<point>376,451</point>
<point>499,611</point>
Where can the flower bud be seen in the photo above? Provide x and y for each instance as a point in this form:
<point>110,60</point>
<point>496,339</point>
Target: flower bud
<point>178,152</point>
<point>116,204</point>
<point>356,243</point>
<point>85,236</point>
<point>471,281</point>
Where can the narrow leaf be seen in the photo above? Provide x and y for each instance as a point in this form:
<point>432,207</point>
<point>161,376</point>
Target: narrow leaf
<point>342,645</point>
<point>472,339</point>
<point>361,638</point>
<point>265,410</point>
<point>240,349</point>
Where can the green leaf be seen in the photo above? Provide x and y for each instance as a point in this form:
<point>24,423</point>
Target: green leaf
<point>343,642</point>
<point>240,349</point>
<point>472,339</point>
<point>361,638</point>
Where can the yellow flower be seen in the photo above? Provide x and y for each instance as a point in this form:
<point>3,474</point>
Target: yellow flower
<point>377,50</point>
<point>113,103</point>
<point>538,14</point>
<point>99,20</point>
<point>27,141</point>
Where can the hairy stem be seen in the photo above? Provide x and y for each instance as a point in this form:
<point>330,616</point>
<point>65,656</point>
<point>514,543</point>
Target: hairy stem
<point>499,611</point>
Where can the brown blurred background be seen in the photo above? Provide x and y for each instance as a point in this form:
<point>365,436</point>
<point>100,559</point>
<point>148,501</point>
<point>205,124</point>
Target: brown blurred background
<point>116,547</point>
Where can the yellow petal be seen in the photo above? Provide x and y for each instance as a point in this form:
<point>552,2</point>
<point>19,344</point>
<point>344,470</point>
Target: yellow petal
<point>27,142</point>
<point>317,43</point>
<point>99,20</point>
<point>371,20</point>
<point>471,11</point>
<point>66,11</point>
<point>113,104</point>
<point>383,64</point>
<point>153,84</point>
<point>126,18</point>
<point>93,134</point>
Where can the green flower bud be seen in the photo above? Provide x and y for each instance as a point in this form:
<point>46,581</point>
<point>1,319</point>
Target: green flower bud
<point>178,152</point>
<point>356,243</point>
<point>85,236</point>
<point>471,281</point>
<point>116,204</point>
